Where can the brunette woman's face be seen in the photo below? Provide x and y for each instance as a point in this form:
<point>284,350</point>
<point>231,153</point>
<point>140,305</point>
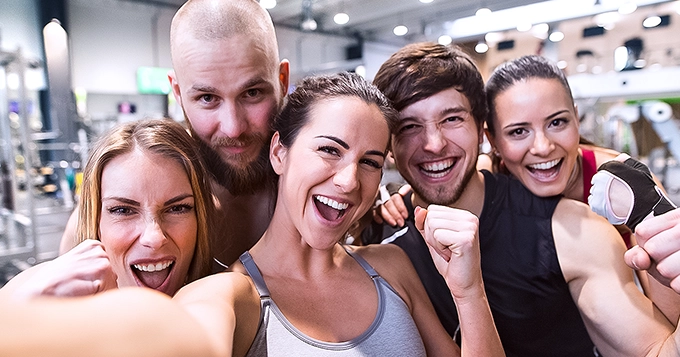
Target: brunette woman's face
<point>148,223</point>
<point>329,175</point>
<point>536,134</point>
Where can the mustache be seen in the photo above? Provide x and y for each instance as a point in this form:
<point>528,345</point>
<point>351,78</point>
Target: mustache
<point>241,141</point>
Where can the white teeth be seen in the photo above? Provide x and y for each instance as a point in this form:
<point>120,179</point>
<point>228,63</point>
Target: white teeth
<point>153,267</point>
<point>545,165</point>
<point>332,203</point>
<point>438,166</point>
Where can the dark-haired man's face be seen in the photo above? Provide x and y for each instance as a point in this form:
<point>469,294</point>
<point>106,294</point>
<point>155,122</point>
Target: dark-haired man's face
<point>436,145</point>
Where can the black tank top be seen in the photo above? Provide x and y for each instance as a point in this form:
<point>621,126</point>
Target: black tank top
<point>529,298</point>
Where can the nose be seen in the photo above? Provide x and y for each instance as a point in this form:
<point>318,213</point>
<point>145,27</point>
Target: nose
<point>153,235</point>
<point>233,120</point>
<point>542,145</point>
<point>346,178</point>
<point>434,140</point>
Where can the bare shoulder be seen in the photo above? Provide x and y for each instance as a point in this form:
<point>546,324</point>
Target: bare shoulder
<point>583,239</point>
<point>220,286</point>
<point>392,263</point>
<point>602,154</point>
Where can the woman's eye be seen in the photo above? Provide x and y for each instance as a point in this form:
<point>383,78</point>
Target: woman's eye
<point>517,132</point>
<point>120,210</point>
<point>558,122</point>
<point>329,150</point>
<point>182,208</point>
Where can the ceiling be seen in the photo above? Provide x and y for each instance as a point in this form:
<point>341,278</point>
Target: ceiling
<point>374,20</point>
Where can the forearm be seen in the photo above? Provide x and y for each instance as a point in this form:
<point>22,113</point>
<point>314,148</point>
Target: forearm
<point>478,331</point>
<point>127,322</point>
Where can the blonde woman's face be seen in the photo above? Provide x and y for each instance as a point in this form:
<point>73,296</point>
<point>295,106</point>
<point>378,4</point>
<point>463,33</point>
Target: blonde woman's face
<point>148,223</point>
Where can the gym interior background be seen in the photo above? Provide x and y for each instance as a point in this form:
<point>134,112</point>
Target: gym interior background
<point>71,69</point>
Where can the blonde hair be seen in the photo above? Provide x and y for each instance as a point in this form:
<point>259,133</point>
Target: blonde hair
<point>159,136</point>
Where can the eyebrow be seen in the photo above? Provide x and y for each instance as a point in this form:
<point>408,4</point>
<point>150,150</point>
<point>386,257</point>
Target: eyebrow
<point>251,83</point>
<point>128,201</point>
<point>549,117</point>
<point>443,112</point>
<point>346,146</point>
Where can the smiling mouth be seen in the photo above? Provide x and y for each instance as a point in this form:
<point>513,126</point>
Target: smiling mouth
<point>329,208</point>
<point>437,169</point>
<point>544,165</point>
<point>153,275</point>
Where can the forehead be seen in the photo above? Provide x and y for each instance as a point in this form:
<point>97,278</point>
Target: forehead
<point>348,115</point>
<point>533,95</point>
<point>236,59</point>
<point>123,172</point>
<point>437,105</point>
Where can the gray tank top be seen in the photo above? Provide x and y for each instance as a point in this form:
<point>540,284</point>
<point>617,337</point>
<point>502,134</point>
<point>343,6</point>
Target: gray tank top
<point>392,333</point>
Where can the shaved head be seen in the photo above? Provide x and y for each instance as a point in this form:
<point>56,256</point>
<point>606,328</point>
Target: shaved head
<point>214,20</point>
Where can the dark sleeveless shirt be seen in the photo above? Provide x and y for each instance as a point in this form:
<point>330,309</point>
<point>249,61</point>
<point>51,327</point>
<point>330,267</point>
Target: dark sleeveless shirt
<point>529,298</point>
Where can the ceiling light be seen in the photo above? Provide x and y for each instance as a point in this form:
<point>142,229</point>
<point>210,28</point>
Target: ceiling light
<point>308,24</point>
<point>481,47</point>
<point>426,1</point>
<point>524,26</point>
<point>606,18</point>
<point>494,37</point>
<point>540,31</point>
<point>620,58</point>
<point>628,7</point>
<point>341,18</point>
<point>483,11</point>
<point>556,36</point>
<point>444,40</point>
<point>651,21</point>
<point>360,70</point>
<point>562,64</point>
<point>400,30</point>
<point>268,4</point>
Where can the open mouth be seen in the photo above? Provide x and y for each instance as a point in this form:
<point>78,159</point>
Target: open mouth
<point>545,169</point>
<point>329,208</point>
<point>437,169</point>
<point>153,275</point>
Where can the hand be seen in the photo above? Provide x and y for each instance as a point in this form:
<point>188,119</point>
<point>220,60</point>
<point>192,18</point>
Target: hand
<point>452,237</point>
<point>392,210</point>
<point>658,249</point>
<point>84,270</point>
<point>624,192</point>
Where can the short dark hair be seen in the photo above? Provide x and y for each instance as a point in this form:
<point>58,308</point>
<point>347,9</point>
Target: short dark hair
<point>520,69</point>
<point>421,70</point>
<point>295,112</point>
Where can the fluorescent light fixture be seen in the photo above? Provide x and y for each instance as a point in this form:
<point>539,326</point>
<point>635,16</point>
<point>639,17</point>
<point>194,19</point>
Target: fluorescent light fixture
<point>426,1</point>
<point>481,47</point>
<point>556,36</point>
<point>268,4</point>
<point>627,8</point>
<point>651,21</point>
<point>562,64</point>
<point>551,11</point>
<point>341,18</point>
<point>309,24</point>
<point>606,18</point>
<point>400,30</point>
<point>444,40</point>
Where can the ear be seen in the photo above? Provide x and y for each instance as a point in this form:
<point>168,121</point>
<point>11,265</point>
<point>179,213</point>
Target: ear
<point>174,84</point>
<point>284,76</point>
<point>277,153</point>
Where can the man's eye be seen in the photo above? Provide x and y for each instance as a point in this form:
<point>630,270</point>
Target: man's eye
<point>251,93</point>
<point>406,128</point>
<point>207,98</point>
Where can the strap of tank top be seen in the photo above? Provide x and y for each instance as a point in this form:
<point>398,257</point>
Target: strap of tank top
<point>248,263</point>
<point>364,264</point>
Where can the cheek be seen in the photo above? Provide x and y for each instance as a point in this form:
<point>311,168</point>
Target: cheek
<point>184,235</point>
<point>260,115</point>
<point>117,237</point>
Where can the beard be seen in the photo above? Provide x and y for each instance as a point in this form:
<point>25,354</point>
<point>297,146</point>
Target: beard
<point>445,195</point>
<point>243,177</point>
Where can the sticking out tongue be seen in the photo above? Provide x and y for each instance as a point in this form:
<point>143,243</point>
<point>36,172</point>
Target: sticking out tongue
<point>327,212</point>
<point>153,279</point>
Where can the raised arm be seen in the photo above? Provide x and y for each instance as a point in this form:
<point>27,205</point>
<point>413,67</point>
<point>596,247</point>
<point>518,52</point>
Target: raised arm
<point>452,237</point>
<point>621,321</point>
